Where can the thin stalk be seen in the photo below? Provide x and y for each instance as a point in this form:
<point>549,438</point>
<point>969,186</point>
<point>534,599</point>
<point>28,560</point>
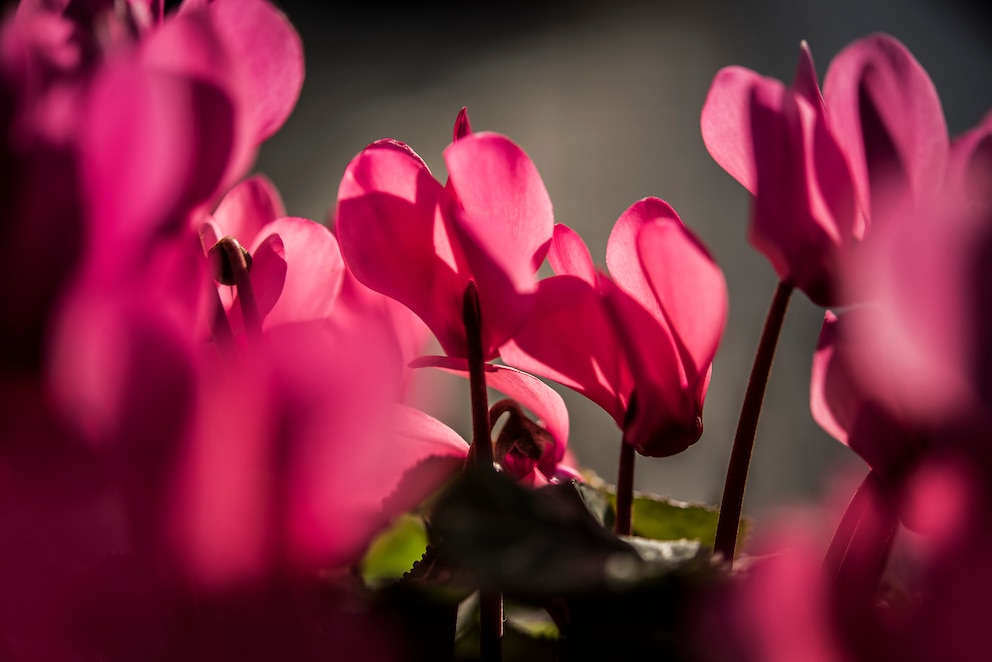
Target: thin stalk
<point>740,457</point>
<point>625,490</point>
<point>481,455</point>
<point>231,263</point>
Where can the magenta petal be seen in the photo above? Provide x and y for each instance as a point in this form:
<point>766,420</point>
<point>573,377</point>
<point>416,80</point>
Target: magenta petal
<point>462,125</point>
<point>804,83</point>
<point>247,207</point>
<point>570,339</point>
<point>663,414</point>
<point>804,212</point>
<point>314,271</point>
<point>154,146</point>
<point>623,256</point>
<point>504,206</point>
<point>529,391</point>
<point>424,455</point>
<point>726,122</point>
<point>266,47</point>
<point>843,399</point>
<point>385,220</point>
<point>569,255</point>
<point>268,274</point>
<point>885,111</point>
<point>689,286</point>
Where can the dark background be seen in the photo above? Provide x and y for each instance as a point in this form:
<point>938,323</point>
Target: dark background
<point>605,97</point>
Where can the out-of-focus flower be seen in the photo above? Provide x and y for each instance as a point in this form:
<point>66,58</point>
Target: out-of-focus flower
<point>648,336</point>
<point>824,170</point>
<point>406,235</point>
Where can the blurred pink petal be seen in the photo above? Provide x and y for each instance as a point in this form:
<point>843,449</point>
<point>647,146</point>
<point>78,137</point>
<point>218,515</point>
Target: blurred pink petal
<point>885,111</point>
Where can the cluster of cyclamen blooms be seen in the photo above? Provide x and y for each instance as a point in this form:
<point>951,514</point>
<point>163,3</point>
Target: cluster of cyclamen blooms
<point>202,399</point>
<point>861,200</point>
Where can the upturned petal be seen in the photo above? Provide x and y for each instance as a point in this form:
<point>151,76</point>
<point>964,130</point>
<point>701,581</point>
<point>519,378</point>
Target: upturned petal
<point>885,111</point>
<point>247,208</point>
<point>570,256</point>
<point>691,290</point>
<point>591,362</point>
<point>726,122</point>
<point>314,270</point>
<point>386,224</point>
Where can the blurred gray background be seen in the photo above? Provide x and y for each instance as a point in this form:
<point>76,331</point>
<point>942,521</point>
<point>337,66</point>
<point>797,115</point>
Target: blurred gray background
<point>605,97</point>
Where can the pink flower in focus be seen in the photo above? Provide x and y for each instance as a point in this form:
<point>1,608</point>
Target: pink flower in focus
<point>648,336</point>
<point>406,235</point>
<point>533,453</point>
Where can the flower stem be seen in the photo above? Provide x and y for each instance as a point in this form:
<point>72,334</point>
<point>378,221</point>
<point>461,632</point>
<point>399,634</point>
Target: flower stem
<point>740,456</point>
<point>231,264</point>
<point>625,490</point>
<point>481,455</point>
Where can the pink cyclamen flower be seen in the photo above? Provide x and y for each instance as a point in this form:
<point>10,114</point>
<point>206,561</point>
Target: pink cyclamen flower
<point>296,269</point>
<point>824,169</point>
<point>535,454</point>
<point>406,235</point>
<point>648,336</point>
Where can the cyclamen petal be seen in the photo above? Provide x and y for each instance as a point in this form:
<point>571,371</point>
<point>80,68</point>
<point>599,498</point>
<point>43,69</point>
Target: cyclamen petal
<point>405,236</point>
<point>569,255</point>
<point>247,208</point>
<point>690,288</point>
<point>591,362</point>
<point>314,271</point>
<point>885,111</point>
<point>527,390</point>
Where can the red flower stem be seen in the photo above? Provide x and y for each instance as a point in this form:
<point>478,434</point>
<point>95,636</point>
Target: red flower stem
<point>625,490</point>
<point>246,294</point>
<point>740,456</point>
<point>481,455</point>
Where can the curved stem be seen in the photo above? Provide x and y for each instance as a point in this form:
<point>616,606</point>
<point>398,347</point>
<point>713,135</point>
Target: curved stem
<point>740,456</point>
<point>625,490</point>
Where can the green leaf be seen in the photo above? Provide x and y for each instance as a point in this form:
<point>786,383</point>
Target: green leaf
<point>394,551</point>
<point>660,518</point>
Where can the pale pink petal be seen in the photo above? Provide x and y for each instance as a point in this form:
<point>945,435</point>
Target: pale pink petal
<point>247,207</point>
<point>569,255</point>
<point>570,339</point>
<point>690,288</point>
<point>726,123</point>
<point>314,271</point>
<point>885,111</point>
